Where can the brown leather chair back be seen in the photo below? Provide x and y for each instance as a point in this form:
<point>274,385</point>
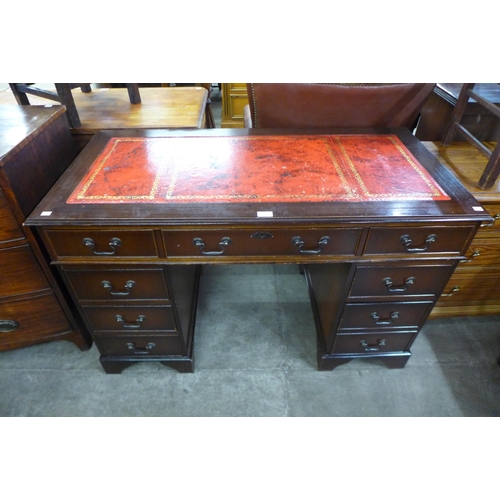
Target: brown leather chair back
<point>304,105</point>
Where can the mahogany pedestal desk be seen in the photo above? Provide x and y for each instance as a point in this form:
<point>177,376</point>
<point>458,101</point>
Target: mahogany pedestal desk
<point>376,222</point>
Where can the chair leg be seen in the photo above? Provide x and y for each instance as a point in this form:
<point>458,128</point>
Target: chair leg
<point>133,93</point>
<point>64,93</point>
<point>492,170</point>
<point>457,114</point>
<point>21,97</point>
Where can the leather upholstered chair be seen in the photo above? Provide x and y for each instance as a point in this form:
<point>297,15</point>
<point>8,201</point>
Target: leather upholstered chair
<point>303,105</point>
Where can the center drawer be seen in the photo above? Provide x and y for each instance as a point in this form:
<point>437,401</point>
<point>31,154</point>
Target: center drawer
<point>192,243</point>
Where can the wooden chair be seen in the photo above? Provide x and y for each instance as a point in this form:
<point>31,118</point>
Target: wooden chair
<point>64,96</point>
<point>492,169</point>
<point>303,105</point>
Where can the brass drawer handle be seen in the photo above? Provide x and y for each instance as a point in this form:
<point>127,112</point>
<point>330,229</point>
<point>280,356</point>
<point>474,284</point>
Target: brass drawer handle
<point>149,346</point>
<point>114,244</point>
<point>139,320</point>
<point>402,288</point>
<point>299,242</point>
<point>128,285</point>
<point>224,242</point>
<point>8,325</point>
<point>454,290</point>
<point>475,254</point>
<point>372,347</point>
<point>378,321</point>
<point>407,241</point>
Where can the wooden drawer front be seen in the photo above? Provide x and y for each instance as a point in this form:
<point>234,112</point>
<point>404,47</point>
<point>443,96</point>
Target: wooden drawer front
<point>421,281</point>
<point>384,315</point>
<point>9,228</point>
<point>20,272</point>
<point>417,240</point>
<point>261,242</point>
<point>372,344</point>
<point>469,287</point>
<point>482,252</point>
<point>143,345</point>
<point>31,319</point>
<point>131,319</point>
<point>102,244</point>
<point>118,284</point>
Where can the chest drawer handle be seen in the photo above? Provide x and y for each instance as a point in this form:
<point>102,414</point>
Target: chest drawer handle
<point>114,244</point>
<point>372,347</point>
<point>388,283</point>
<point>148,347</point>
<point>8,325</point>
<point>128,285</point>
<point>139,320</point>
<point>388,321</point>
<point>223,243</point>
<point>299,242</point>
<point>407,241</point>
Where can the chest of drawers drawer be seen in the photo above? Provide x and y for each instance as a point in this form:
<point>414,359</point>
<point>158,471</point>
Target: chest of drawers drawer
<point>84,244</point>
<point>418,240</point>
<point>482,252</point>
<point>144,318</point>
<point>20,272</point>
<point>419,281</point>
<point>300,241</point>
<point>9,227</point>
<point>118,284</point>
<point>384,316</point>
<point>22,321</point>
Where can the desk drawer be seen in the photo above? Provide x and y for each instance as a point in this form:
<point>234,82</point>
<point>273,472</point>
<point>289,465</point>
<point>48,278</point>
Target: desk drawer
<point>418,240</point>
<point>373,343</point>
<point>102,244</point>
<point>139,345</point>
<point>131,319</point>
<point>31,319</point>
<point>118,284</point>
<point>230,242</point>
<point>418,281</point>
<point>384,315</point>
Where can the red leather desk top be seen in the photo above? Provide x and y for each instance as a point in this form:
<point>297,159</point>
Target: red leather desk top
<point>313,168</point>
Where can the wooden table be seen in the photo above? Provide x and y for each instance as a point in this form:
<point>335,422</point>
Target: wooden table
<point>110,109</point>
<point>375,221</point>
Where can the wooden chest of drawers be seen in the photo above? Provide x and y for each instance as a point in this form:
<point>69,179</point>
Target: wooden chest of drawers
<point>473,289</point>
<point>35,149</point>
<point>374,269</point>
